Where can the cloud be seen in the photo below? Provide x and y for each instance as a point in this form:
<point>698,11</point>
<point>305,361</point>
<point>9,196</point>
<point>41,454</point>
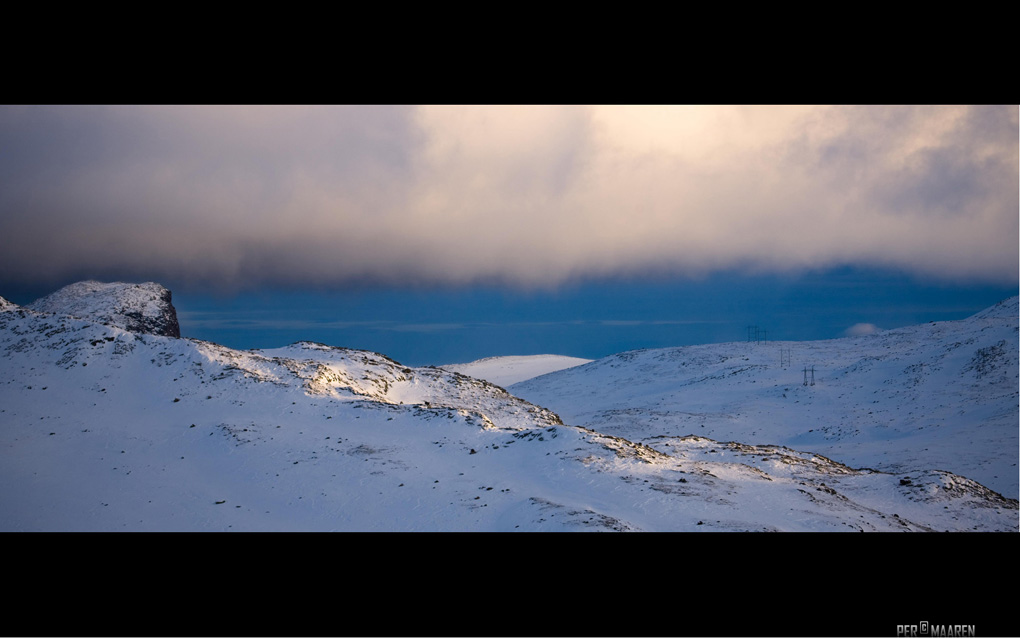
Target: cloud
<point>520,195</point>
<point>861,329</point>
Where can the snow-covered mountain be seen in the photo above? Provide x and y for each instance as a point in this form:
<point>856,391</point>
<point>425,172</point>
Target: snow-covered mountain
<point>104,426</point>
<point>939,395</point>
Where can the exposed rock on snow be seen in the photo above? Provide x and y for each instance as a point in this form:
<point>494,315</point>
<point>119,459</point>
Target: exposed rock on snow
<point>6,305</point>
<point>144,308</point>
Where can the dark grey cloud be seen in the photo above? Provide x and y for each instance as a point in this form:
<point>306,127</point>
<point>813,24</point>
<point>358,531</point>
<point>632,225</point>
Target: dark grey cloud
<point>526,196</point>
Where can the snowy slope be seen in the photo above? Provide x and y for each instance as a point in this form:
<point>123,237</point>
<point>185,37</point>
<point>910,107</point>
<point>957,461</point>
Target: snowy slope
<point>102,428</point>
<point>941,395</point>
<point>504,371</point>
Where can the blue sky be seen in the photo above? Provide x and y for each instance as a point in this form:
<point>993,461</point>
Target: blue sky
<point>441,234</point>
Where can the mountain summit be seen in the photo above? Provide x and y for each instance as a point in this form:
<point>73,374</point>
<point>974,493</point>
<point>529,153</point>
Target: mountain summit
<point>143,308</point>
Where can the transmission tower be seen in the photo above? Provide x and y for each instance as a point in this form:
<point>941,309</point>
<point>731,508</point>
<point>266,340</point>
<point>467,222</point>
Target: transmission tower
<point>810,370</point>
<point>757,334</point>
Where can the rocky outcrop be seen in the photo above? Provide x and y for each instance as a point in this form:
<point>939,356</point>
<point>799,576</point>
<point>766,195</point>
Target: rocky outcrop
<point>6,305</point>
<point>143,308</point>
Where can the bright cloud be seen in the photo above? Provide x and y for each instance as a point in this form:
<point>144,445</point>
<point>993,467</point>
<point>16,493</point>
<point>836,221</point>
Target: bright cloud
<point>523,195</point>
<point>861,329</point>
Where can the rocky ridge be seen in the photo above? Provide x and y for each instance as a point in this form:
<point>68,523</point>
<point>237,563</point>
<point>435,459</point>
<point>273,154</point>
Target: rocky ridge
<point>142,308</point>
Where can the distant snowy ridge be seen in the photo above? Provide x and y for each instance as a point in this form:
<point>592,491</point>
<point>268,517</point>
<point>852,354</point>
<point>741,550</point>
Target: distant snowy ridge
<point>504,371</point>
<point>144,308</point>
<point>6,305</point>
<point>1005,309</point>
